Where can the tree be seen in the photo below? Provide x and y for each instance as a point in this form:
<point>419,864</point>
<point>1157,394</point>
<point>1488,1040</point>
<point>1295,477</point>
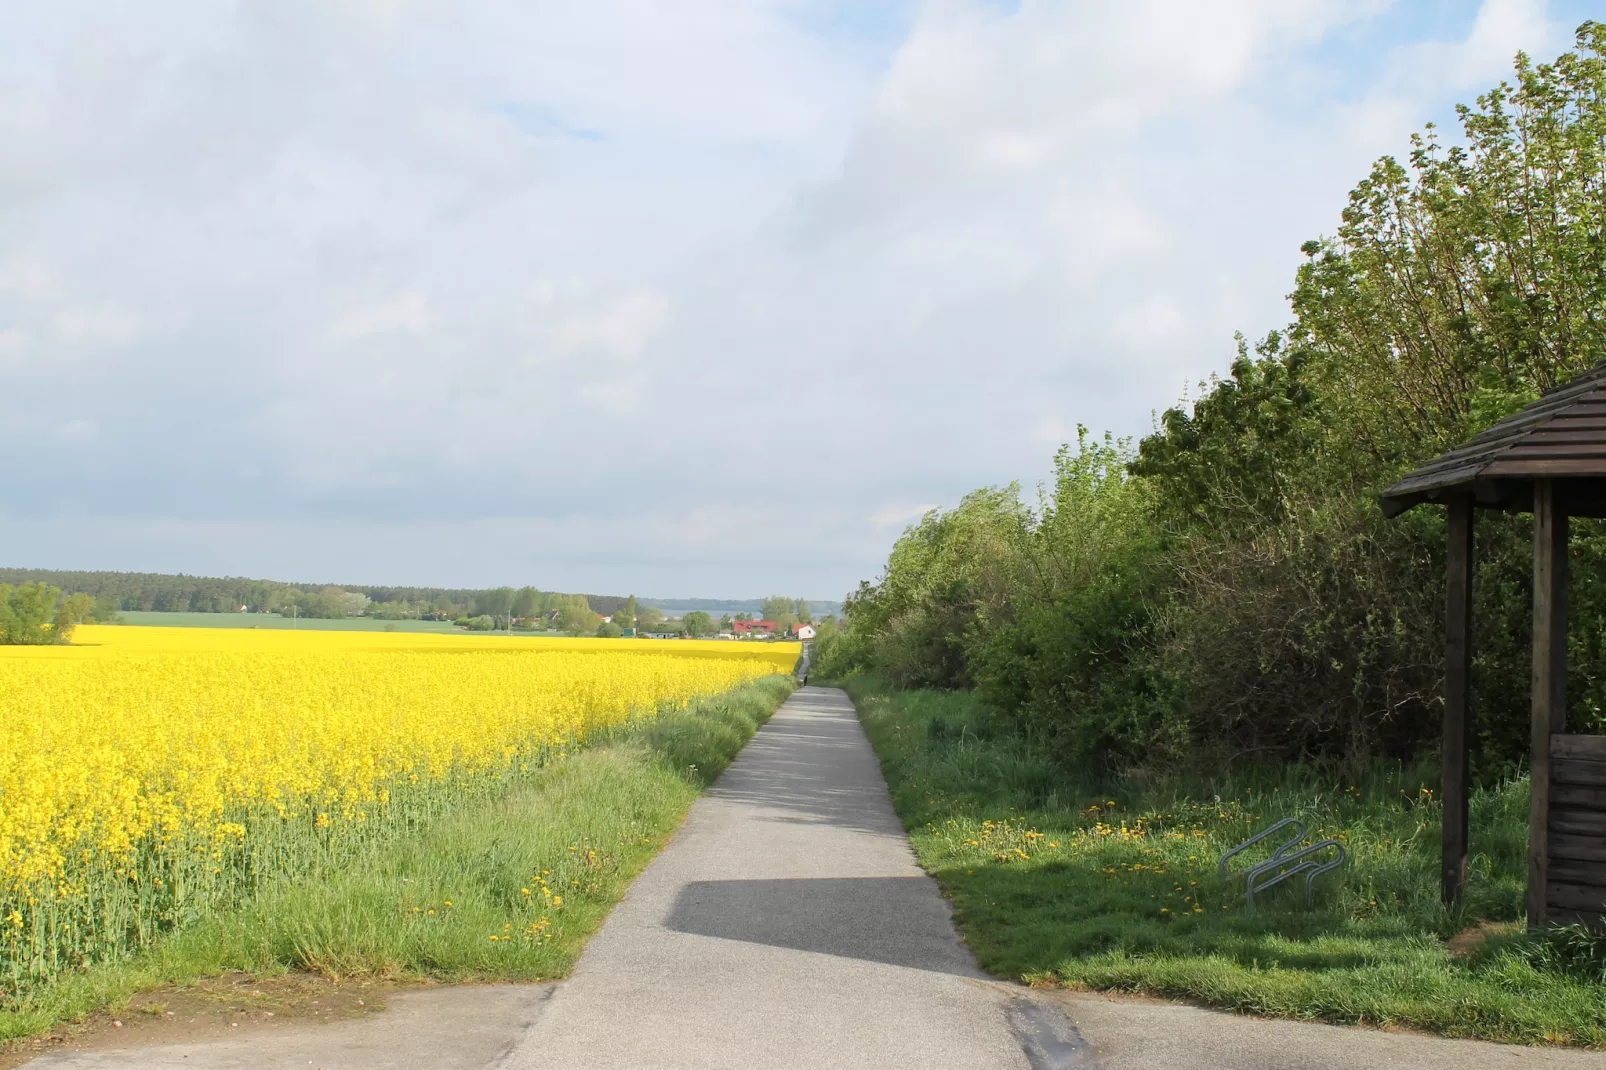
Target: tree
<point>74,610</point>
<point>575,615</point>
<point>327,604</point>
<point>26,612</point>
<point>105,611</point>
<point>648,618</point>
<point>609,630</point>
<point>804,616</point>
<point>526,603</point>
<point>1234,588</point>
<point>626,617</point>
<point>775,607</point>
<point>698,623</point>
<point>496,603</point>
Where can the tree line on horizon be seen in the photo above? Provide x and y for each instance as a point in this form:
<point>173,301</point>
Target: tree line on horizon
<point>52,599</point>
<point>180,593</point>
<point>1229,586</point>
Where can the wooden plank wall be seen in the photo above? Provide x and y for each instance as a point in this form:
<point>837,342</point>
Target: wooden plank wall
<point>1576,874</point>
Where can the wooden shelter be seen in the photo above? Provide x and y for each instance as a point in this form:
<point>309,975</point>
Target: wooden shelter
<point>1548,459</point>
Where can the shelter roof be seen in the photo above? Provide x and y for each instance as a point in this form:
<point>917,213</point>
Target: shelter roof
<point>1561,436</point>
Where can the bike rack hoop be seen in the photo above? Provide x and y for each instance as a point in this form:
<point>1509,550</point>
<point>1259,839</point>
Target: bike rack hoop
<point>1221,868</point>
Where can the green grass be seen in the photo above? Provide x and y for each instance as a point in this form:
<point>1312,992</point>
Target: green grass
<point>502,889</point>
<point>1059,879</point>
<point>273,620</point>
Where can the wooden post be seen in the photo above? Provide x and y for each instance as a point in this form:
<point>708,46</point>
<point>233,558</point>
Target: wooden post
<point>1549,682</point>
<point>1457,698</point>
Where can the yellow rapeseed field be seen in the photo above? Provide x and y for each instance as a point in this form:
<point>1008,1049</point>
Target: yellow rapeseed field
<point>147,772</point>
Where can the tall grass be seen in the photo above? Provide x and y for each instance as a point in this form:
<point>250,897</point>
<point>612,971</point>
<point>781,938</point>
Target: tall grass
<point>504,886</point>
<point>1112,884</point>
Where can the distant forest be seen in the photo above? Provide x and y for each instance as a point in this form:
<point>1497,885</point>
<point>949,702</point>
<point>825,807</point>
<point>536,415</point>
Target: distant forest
<point>154,591</point>
<point>158,592</point>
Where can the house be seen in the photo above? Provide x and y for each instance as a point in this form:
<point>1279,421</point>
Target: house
<point>753,627</point>
<point>804,631</point>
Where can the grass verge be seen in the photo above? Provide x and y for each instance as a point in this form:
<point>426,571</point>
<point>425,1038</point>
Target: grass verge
<point>1061,880</point>
<point>508,889</point>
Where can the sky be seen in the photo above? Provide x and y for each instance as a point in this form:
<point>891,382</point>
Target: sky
<point>710,298</point>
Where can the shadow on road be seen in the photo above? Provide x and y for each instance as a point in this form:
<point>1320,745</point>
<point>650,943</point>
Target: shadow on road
<point>899,921</point>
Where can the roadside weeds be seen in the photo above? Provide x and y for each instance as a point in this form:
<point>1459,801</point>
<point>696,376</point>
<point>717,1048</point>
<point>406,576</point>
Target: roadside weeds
<point>1063,880</point>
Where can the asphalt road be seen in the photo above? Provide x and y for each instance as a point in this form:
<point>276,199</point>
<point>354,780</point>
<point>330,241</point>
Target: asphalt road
<point>788,925</point>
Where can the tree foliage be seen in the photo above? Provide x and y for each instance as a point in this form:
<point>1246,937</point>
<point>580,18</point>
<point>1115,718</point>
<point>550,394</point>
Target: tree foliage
<point>148,591</point>
<point>1232,586</point>
<point>36,614</point>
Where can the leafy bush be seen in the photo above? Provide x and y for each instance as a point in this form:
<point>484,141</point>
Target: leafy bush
<point>1232,587</point>
<point>28,615</point>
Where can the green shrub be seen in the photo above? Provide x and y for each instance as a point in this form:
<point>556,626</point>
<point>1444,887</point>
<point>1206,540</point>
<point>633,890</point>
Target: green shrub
<point>28,613</point>
<point>1233,588</point>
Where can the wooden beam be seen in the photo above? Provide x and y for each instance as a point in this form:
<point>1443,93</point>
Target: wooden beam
<point>1549,681</point>
<point>1580,748</point>
<point>1457,697</point>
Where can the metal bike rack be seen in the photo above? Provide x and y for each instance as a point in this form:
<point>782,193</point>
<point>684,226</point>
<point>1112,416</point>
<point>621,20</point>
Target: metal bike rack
<point>1288,854</point>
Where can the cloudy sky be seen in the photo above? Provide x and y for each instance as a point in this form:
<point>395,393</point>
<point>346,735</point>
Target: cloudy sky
<point>704,298</point>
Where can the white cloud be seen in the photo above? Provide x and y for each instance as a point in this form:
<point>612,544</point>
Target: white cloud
<point>13,342</point>
<point>30,281</point>
<point>899,516</point>
<point>1484,55</point>
<point>77,431</point>
<point>405,314</point>
<point>104,324</point>
<point>619,326</point>
<point>411,270</point>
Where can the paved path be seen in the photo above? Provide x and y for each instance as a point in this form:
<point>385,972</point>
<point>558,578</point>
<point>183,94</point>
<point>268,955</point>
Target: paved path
<point>787,925</point>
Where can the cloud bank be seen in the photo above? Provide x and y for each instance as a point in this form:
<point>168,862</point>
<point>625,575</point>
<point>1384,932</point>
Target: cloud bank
<point>708,298</point>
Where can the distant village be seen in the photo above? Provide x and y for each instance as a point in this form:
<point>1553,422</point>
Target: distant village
<point>740,628</point>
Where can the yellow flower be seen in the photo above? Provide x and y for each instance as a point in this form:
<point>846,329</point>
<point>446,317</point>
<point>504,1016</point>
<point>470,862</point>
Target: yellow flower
<point>190,754</point>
